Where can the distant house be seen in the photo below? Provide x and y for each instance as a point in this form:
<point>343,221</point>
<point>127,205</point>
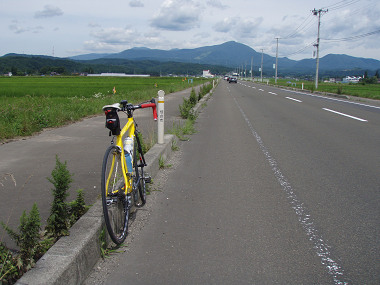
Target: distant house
<point>351,79</point>
<point>207,74</point>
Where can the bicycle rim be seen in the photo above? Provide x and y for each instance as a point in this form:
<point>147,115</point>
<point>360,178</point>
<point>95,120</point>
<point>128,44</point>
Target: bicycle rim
<point>115,205</point>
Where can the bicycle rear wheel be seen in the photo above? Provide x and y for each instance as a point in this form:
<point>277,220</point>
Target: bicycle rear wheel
<point>114,200</point>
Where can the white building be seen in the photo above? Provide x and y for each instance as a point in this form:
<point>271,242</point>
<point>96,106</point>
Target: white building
<point>120,75</point>
<point>351,79</point>
<point>207,74</point>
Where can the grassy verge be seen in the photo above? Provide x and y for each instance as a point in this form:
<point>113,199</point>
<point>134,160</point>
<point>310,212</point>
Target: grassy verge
<point>183,129</point>
<point>29,104</point>
<point>371,91</point>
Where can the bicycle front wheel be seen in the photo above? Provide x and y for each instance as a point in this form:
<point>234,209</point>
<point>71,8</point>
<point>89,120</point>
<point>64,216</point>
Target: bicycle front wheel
<point>139,182</point>
<point>114,200</point>
<point>139,178</point>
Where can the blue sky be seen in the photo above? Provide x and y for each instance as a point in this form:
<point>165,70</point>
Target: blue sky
<point>67,27</point>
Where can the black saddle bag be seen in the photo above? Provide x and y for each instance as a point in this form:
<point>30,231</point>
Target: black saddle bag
<point>112,121</point>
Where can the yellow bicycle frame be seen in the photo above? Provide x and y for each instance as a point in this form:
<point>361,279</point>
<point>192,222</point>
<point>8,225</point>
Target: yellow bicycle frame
<point>129,130</point>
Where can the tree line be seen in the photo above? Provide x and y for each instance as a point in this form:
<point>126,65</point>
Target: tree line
<point>33,65</point>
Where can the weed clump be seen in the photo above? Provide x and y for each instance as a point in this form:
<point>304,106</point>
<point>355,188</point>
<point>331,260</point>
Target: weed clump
<point>31,247</point>
<point>57,224</point>
<point>187,105</point>
<point>33,242</point>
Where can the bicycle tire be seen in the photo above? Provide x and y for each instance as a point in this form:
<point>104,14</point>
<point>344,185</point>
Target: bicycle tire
<point>139,178</point>
<point>141,190</point>
<point>114,200</point>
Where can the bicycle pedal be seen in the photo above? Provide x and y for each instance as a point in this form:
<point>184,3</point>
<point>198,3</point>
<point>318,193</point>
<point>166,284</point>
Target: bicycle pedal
<point>148,178</point>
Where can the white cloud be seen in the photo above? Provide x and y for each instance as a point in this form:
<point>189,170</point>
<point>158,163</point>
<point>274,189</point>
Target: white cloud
<point>96,46</point>
<point>178,15</point>
<point>114,36</point>
<point>216,4</point>
<point>136,3</point>
<point>94,25</point>
<point>117,39</point>
<point>239,28</point>
<point>18,28</point>
<point>48,11</point>
<point>226,25</point>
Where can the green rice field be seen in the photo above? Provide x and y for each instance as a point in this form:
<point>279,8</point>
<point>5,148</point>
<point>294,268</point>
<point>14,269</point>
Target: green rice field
<point>29,104</point>
<point>371,91</point>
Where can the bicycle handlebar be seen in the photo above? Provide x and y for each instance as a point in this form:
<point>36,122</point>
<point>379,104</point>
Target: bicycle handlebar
<point>153,106</point>
<point>130,107</point>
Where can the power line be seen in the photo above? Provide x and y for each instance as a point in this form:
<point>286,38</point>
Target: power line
<point>297,30</point>
<point>341,4</point>
<point>304,25</point>
<point>300,50</point>
<point>353,37</point>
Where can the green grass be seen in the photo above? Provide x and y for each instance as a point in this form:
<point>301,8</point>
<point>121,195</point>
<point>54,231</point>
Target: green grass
<point>29,104</point>
<point>183,129</point>
<point>371,91</point>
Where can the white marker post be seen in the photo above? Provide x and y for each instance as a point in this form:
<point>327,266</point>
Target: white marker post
<point>161,116</point>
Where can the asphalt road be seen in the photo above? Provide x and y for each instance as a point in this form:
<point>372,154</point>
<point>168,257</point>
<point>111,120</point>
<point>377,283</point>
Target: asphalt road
<point>25,164</point>
<point>276,187</point>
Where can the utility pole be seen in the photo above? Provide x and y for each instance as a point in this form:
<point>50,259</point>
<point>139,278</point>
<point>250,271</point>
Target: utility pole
<point>251,68</point>
<point>275,79</point>
<point>262,56</point>
<point>318,13</point>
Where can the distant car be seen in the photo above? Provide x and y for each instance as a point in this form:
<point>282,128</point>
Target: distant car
<point>226,77</point>
<point>232,79</point>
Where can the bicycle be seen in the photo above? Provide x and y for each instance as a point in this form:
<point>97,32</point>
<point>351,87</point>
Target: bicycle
<point>123,178</point>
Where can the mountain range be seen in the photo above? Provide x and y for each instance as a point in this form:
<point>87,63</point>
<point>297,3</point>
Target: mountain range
<point>232,54</point>
<point>218,58</point>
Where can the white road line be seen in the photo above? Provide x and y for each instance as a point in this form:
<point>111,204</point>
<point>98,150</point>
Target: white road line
<point>272,93</point>
<point>322,248</point>
<point>342,114</point>
<point>290,98</point>
<point>332,99</point>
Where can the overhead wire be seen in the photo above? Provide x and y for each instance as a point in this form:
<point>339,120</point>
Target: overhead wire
<point>297,30</point>
<point>333,7</point>
<point>341,4</point>
<point>353,37</point>
<point>301,50</point>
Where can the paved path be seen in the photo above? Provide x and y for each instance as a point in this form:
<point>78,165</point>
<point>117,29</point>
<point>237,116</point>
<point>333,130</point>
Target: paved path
<point>26,163</point>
